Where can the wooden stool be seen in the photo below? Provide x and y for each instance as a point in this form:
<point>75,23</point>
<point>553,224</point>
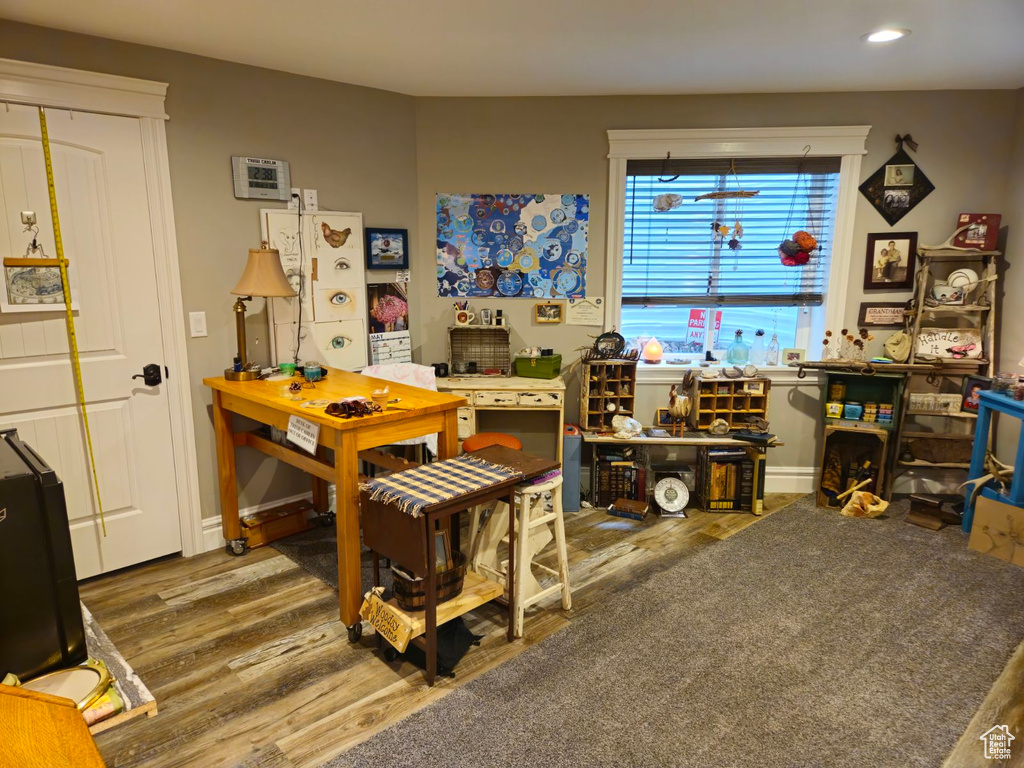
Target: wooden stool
<point>531,538</point>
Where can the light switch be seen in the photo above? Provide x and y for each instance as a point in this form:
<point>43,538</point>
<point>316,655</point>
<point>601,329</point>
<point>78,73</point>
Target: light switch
<point>309,201</point>
<point>197,323</point>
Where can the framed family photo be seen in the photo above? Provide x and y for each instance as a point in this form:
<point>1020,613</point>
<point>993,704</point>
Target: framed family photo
<point>890,261</point>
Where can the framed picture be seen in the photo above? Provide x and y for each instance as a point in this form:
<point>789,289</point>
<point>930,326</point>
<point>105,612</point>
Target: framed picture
<point>972,386</point>
<point>387,248</point>
<point>982,231</point>
<point>793,356</point>
<point>897,187</point>
<point>889,263</point>
<point>899,175</point>
<point>442,552</point>
<point>882,314</point>
<point>548,312</point>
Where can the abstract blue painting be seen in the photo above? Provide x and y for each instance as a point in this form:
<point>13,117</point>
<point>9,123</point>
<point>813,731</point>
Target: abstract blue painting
<point>516,246</point>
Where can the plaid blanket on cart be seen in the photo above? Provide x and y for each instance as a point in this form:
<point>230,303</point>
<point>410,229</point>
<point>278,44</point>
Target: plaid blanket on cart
<point>414,489</point>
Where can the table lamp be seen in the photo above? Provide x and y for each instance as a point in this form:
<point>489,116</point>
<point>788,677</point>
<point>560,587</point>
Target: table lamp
<point>264,277</point>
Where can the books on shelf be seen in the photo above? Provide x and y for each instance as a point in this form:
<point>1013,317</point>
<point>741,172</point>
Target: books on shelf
<point>620,479</point>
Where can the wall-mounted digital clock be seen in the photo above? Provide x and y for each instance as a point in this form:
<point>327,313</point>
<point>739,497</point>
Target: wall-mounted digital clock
<point>261,179</point>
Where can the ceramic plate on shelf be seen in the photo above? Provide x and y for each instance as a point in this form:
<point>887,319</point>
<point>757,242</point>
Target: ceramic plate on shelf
<point>963,278</point>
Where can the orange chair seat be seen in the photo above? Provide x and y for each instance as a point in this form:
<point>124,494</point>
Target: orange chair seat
<point>486,439</point>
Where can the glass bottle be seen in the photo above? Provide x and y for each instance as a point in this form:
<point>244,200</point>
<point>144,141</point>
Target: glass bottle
<point>739,351</point>
<point>771,356</point>
<point>757,351</point>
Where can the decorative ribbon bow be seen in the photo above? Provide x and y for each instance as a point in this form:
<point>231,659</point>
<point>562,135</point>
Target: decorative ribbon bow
<point>906,139</point>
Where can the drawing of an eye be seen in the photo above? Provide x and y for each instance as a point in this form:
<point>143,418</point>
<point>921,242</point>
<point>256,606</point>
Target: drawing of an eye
<point>342,264</point>
<point>340,298</point>
<point>338,342</point>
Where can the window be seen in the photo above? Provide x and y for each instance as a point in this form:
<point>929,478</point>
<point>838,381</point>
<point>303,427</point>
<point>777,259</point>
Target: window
<point>689,288</point>
<point>666,275</point>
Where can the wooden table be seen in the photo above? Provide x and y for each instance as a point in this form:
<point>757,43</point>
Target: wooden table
<point>418,412</point>
<point>38,730</point>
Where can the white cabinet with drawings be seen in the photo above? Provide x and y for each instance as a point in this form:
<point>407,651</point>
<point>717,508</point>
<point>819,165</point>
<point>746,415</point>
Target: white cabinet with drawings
<point>323,256</point>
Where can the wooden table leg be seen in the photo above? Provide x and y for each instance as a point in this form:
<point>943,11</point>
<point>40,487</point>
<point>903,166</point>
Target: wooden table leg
<point>448,437</point>
<point>430,618</point>
<point>346,489</point>
<point>512,562</point>
<point>321,495</point>
<point>224,435</point>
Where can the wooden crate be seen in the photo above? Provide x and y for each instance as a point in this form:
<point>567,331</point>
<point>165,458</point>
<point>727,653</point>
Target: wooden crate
<point>729,399</point>
<point>261,528</point>
<point>489,346</point>
<point>853,445</point>
<point>604,382</point>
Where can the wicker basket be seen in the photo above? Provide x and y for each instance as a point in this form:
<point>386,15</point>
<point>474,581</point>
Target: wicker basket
<point>412,594</point>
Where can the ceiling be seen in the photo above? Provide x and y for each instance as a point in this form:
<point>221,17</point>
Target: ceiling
<point>577,47</point>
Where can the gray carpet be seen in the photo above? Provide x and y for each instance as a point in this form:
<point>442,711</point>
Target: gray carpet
<point>806,639</point>
<point>316,551</point>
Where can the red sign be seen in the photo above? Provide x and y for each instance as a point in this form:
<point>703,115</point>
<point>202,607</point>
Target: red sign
<point>695,327</point>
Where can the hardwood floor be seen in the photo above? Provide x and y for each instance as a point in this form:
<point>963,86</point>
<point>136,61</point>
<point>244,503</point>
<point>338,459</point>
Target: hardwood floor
<point>251,667</point>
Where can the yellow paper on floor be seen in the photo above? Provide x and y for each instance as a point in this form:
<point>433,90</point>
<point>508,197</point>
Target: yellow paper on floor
<point>998,530</point>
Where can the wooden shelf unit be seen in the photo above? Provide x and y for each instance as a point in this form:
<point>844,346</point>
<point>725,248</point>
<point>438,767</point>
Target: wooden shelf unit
<point>604,382</point>
<point>729,399</point>
<point>948,374</point>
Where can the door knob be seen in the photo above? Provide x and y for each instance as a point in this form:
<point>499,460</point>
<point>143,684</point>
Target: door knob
<point>150,375</point>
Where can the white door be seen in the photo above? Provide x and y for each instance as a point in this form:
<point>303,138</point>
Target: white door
<point>102,204</point>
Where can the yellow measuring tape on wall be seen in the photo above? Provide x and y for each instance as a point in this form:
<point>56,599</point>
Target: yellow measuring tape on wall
<point>76,366</point>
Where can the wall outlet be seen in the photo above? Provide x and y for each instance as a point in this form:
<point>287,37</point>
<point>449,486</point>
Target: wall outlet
<point>197,324</point>
<point>309,200</point>
<point>293,201</point>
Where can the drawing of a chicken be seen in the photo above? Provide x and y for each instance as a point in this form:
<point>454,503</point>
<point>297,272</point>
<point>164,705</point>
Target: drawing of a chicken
<point>333,237</point>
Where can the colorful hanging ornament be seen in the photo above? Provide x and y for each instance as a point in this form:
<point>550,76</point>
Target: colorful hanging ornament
<point>796,251</point>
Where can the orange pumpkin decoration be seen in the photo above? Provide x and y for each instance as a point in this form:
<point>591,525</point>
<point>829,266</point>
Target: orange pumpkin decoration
<point>805,240</point>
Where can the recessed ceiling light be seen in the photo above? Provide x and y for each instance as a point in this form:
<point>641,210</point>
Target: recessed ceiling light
<point>886,35</point>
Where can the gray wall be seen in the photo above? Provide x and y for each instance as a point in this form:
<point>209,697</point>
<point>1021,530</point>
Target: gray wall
<point>355,145</point>
<point>1011,342</point>
<point>387,155</point>
<point>560,145</point>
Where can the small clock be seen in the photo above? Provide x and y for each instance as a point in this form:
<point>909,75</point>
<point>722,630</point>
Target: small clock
<point>261,179</point>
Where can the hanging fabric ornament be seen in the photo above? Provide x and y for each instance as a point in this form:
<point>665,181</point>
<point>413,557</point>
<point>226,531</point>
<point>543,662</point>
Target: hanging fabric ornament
<point>805,240</point>
<point>667,202</point>
<point>796,250</point>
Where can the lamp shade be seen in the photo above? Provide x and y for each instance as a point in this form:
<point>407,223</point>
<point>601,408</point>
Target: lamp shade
<point>263,275</point>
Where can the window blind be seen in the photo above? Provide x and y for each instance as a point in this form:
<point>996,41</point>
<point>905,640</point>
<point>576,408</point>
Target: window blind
<point>672,258</point>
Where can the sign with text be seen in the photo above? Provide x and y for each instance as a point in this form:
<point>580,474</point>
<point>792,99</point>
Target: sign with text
<point>695,328</point>
<point>303,433</point>
<point>387,622</point>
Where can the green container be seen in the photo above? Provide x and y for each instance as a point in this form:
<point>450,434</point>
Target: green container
<point>539,367</point>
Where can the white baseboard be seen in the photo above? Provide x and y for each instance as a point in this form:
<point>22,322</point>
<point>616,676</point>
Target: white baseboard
<point>212,537</point>
<point>790,479</point>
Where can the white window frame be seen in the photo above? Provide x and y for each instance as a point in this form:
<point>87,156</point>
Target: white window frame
<point>843,141</point>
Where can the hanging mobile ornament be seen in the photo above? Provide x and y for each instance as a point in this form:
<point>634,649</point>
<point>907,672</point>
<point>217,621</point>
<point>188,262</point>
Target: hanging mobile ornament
<point>795,251</point>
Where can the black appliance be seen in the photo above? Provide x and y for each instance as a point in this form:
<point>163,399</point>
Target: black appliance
<point>42,628</point>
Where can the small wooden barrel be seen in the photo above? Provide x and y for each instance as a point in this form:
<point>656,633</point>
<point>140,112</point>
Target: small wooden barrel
<point>412,594</point>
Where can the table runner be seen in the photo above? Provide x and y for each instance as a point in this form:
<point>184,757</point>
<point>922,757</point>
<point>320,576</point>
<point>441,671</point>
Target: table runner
<point>414,489</point>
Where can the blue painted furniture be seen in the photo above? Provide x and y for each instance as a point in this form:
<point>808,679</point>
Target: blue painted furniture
<point>989,402</point>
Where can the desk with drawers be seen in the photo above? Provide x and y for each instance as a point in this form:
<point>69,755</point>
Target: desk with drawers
<point>499,393</point>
